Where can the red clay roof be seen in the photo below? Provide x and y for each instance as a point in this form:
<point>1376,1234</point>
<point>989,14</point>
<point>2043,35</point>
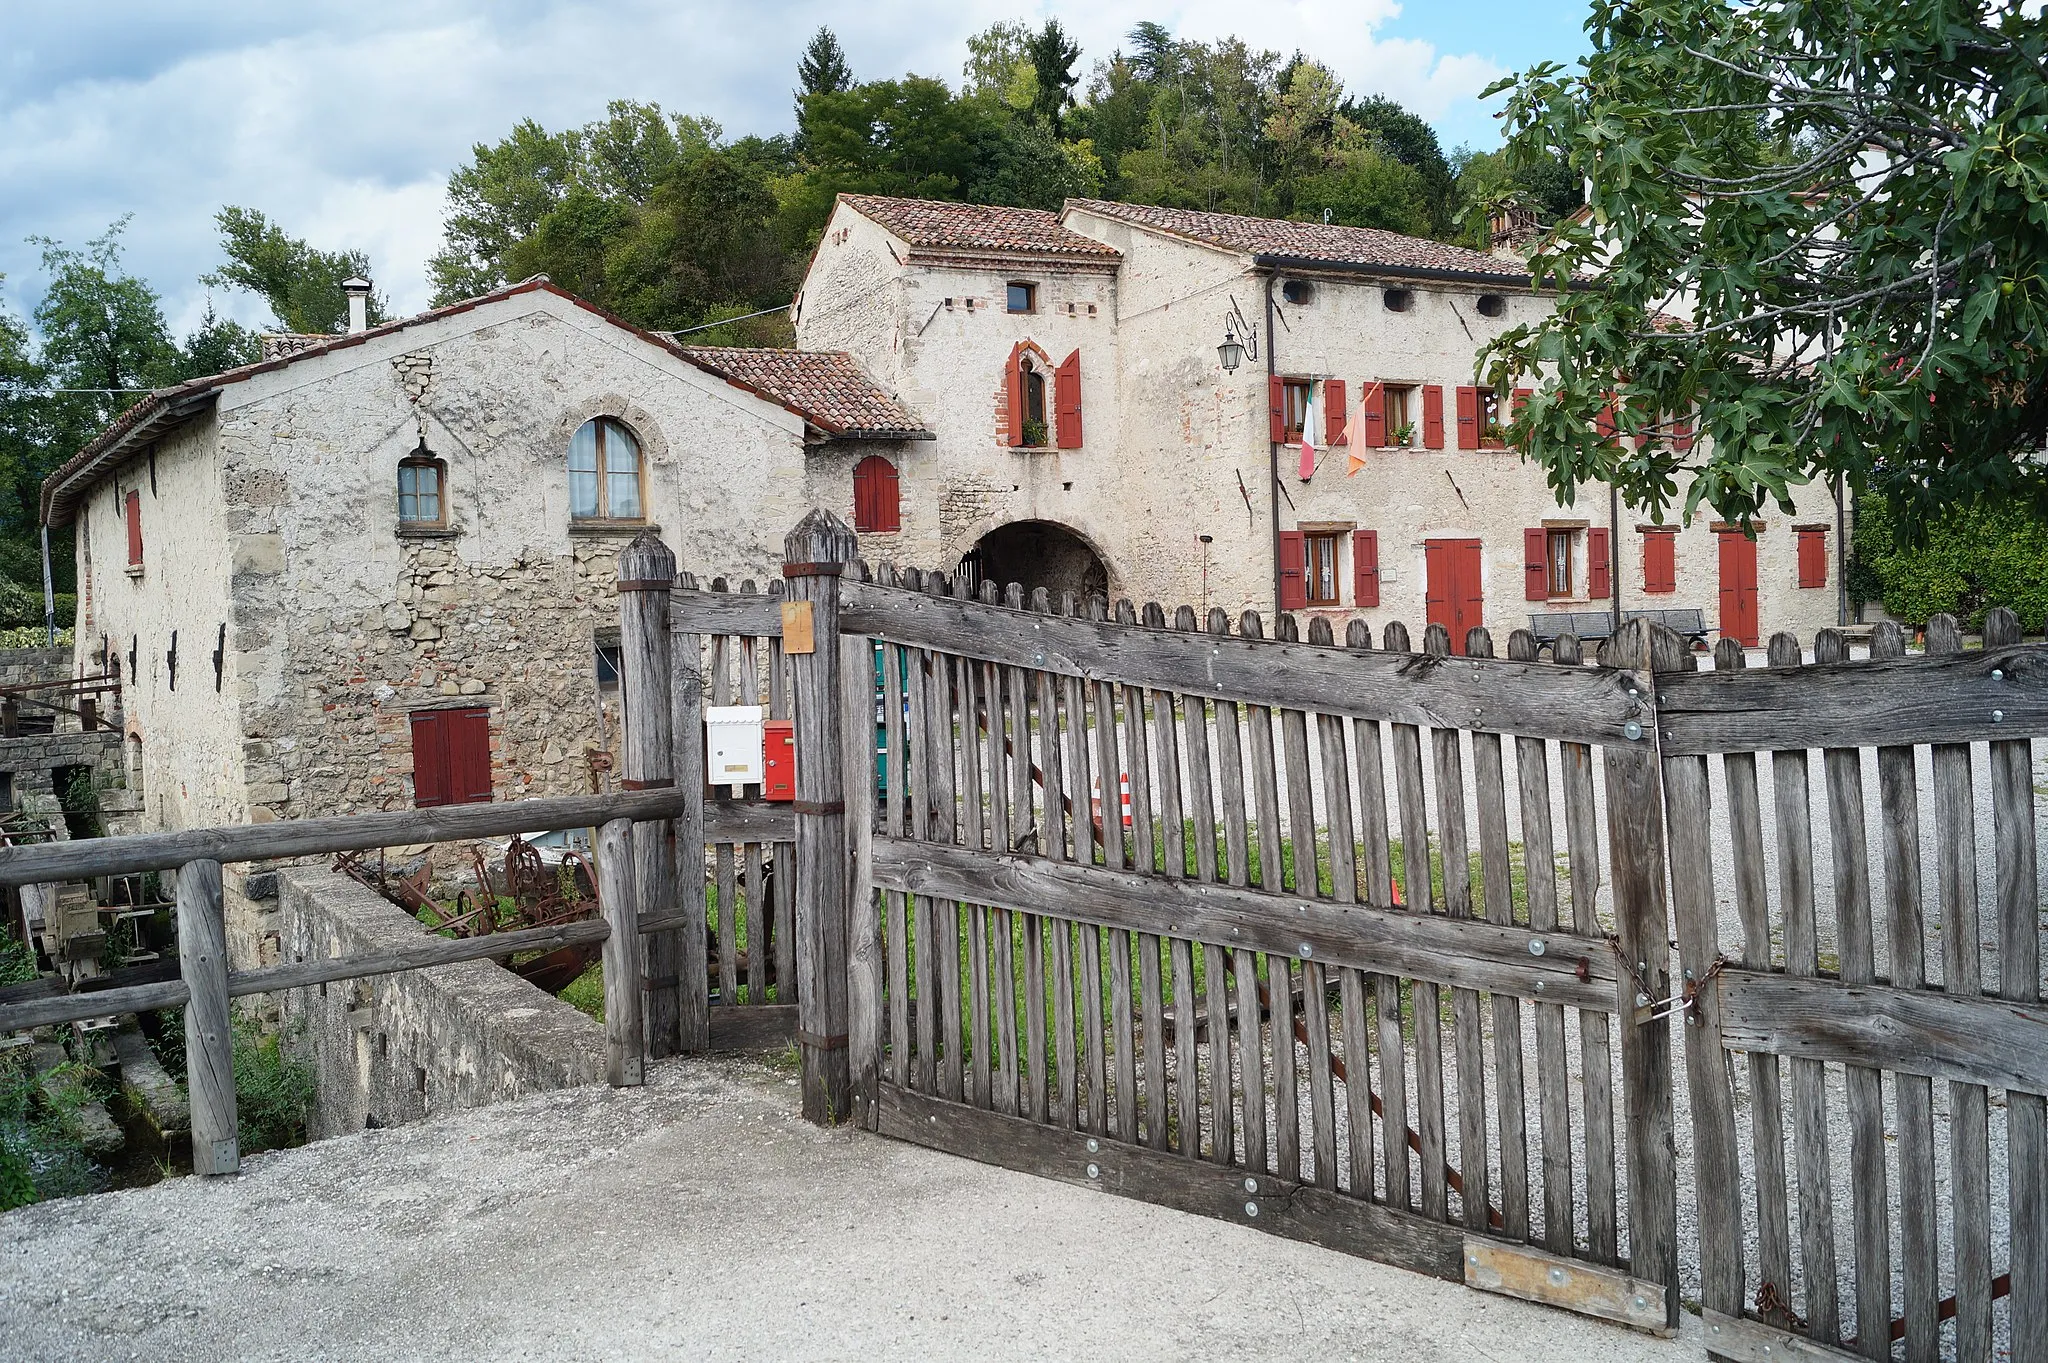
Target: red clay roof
<point>957,228</point>
<point>1308,242</point>
<point>167,407</point>
<point>825,385</point>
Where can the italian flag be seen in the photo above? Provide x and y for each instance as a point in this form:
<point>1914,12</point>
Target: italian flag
<point>1308,436</point>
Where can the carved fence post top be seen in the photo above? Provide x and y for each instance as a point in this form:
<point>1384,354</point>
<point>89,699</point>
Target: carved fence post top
<point>820,537</point>
<point>646,560</point>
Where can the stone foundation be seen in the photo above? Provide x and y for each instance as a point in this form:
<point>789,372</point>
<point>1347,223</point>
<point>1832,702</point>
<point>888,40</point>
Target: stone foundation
<point>396,1048</point>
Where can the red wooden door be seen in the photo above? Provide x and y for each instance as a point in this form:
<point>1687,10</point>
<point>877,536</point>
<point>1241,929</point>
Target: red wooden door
<point>1454,595</point>
<point>1738,588</point>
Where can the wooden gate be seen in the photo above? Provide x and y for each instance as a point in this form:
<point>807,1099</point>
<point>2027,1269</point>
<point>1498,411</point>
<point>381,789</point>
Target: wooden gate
<point>1346,959</point>
<point>1908,1023</point>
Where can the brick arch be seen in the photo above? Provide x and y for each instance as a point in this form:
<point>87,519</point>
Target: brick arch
<point>1063,558</point>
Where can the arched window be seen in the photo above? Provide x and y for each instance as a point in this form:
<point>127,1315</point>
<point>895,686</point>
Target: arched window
<point>877,503</point>
<point>422,490</point>
<point>604,473</point>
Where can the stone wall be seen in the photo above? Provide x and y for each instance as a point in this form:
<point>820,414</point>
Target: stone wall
<point>397,1048</point>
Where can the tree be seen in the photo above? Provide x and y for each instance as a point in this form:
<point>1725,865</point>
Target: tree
<point>823,69</point>
<point>1818,225</point>
<point>996,58</point>
<point>218,345</point>
<point>1406,138</point>
<point>1052,57</point>
<point>497,199</point>
<point>301,284</point>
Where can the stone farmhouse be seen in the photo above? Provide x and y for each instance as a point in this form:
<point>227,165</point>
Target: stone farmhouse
<point>377,570</point>
<point>1089,436</point>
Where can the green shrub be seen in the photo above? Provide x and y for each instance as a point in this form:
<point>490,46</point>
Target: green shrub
<point>1973,558</point>
<point>33,636</point>
<point>17,961</point>
<point>273,1090</point>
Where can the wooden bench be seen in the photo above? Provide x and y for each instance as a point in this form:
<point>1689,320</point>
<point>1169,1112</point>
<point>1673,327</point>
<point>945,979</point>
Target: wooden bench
<point>1593,626</point>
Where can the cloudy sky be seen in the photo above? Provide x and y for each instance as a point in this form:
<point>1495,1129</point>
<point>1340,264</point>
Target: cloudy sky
<point>342,121</point>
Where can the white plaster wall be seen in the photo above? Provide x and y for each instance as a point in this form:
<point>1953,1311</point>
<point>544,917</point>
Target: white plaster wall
<point>945,360</point>
<point>1185,433</point>
<point>191,738</point>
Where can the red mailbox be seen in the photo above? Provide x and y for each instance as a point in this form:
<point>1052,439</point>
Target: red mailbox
<point>779,766</point>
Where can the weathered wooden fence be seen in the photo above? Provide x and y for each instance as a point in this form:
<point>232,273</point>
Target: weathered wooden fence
<point>206,985</point>
<point>1310,985</point>
<point>1843,969</point>
<point>1380,955</point>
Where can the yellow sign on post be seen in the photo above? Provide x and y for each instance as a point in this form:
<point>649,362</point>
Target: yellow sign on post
<point>797,636</point>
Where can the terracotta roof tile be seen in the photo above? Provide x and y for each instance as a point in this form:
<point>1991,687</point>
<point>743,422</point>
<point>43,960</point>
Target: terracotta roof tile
<point>930,225</point>
<point>1310,242</point>
<point>826,386</point>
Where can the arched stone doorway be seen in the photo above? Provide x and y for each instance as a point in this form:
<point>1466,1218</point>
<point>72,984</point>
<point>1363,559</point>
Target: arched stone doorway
<point>1036,554</point>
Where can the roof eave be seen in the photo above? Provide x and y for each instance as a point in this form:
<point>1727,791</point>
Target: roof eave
<point>60,501</point>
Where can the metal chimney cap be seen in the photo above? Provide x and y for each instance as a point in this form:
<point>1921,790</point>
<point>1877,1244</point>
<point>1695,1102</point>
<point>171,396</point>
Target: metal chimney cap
<point>356,285</point>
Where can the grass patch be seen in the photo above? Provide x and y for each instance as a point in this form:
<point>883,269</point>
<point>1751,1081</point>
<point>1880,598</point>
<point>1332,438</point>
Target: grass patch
<point>274,1090</point>
<point>40,1158</point>
<point>586,992</point>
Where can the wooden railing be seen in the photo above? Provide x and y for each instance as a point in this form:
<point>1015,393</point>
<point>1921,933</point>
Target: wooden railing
<point>206,984</point>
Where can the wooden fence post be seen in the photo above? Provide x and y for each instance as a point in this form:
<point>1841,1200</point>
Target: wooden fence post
<point>209,1039</point>
<point>625,1042</point>
<point>686,705</point>
<point>647,572</point>
<point>814,554</point>
<point>1635,830</point>
<point>864,937</point>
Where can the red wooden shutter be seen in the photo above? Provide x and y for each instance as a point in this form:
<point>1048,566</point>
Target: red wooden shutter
<point>1432,416</point>
<point>1276,410</point>
<point>1293,570</point>
<point>469,757</point>
<point>1013,398</point>
<point>1522,396</point>
<point>1333,412</point>
<point>1365,566</point>
<point>877,498</point>
<point>1660,567</point>
<point>1468,418</point>
<point>1597,550</point>
<point>429,760</point>
<point>1535,565</point>
<point>1681,431</point>
<point>135,529</point>
<point>1604,424</point>
<point>1813,558</point>
<point>1066,400</point>
<point>1372,410</point>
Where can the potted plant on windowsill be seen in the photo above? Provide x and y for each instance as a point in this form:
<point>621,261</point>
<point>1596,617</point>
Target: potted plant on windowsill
<point>1035,436</point>
<point>1404,435</point>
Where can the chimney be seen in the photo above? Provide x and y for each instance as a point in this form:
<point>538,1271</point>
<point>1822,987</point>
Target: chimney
<point>358,291</point>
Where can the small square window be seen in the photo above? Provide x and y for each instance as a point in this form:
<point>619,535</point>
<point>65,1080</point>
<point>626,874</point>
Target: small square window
<point>1023,297</point>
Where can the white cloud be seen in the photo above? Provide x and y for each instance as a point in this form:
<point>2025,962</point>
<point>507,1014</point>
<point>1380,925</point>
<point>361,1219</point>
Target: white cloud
<point>342,121</point>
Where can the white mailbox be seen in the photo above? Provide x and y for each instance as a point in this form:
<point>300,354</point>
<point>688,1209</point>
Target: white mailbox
<point>732,745</point>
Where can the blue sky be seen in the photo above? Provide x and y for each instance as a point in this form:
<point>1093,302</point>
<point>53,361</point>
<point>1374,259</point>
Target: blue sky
<point>342,121</point>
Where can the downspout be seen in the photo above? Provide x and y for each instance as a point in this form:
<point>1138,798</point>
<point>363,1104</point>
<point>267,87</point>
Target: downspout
<point>1272,447</point>
<point>49,596</point>
<point>1841,554</point>
<point>1614,555</point>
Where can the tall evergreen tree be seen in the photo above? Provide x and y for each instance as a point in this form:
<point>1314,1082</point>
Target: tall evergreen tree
<point>1052,55</point>
<point>823,69</point>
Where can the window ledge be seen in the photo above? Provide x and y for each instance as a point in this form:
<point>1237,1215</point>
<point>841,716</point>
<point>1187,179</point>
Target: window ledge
<point>600,529</point>
<point>427,532</point>
<point>135,571</point>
